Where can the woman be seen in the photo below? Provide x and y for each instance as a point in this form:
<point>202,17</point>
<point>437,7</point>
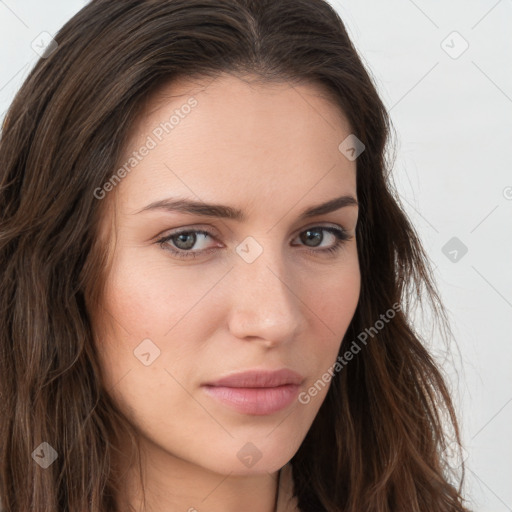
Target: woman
<point>205,274</point>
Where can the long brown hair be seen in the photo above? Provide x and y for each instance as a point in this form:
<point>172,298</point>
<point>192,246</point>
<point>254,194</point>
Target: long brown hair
<point>378,441</point>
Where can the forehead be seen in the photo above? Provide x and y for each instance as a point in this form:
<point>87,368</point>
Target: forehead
<point>232,137</point>
<point>248,102</point>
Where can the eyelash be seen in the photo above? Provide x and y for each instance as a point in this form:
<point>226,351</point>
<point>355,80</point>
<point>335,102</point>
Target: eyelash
<point>341,237</point>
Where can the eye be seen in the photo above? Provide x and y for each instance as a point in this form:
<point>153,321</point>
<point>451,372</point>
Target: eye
<point>315,236</point>
<point>181,243</point>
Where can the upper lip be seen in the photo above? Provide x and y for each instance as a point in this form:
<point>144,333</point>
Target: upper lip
<point>259,379</point>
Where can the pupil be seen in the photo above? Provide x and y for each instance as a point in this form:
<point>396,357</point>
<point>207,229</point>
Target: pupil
<point>184,236</point>
<point>316,236</point>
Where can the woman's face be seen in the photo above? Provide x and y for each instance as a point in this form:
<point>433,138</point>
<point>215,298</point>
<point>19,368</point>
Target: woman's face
<point>255,288</point>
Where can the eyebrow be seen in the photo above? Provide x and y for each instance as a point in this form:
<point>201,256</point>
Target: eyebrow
<point>228,212</point>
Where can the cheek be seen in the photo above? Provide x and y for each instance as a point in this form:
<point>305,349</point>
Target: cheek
<point>149,296</point>
<point>134,308</point>
<point>334,293</point>
<point>333,297</point>
<point>339,298</point>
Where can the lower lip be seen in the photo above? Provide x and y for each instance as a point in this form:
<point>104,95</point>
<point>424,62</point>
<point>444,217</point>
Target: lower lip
<point>256,401</point>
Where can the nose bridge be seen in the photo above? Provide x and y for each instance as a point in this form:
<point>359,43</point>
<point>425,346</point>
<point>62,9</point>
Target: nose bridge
<point>264,303</point>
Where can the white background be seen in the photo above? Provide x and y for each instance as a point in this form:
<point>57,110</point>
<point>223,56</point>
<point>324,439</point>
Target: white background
<point>453,118</point>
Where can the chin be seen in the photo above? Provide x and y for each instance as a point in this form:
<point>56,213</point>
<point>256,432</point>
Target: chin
<point>247,457</point>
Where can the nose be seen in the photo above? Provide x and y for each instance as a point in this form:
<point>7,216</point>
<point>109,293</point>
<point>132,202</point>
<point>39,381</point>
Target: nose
<point>267,301</point>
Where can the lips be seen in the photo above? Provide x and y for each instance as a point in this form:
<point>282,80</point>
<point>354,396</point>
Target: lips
<point>256,392</point>
<point>259,379</point>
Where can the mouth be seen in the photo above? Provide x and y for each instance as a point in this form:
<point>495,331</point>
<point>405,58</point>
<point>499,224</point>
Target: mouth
<point>256,392</point>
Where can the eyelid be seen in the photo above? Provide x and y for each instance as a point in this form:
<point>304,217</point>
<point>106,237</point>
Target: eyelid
<point>215,232</point>
<point>320,224</point>
<point>163,236</point>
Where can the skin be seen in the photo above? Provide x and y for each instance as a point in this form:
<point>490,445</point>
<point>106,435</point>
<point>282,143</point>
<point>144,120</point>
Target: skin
<point>270,150</point>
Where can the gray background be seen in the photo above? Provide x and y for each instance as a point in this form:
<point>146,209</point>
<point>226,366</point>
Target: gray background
<point>452,111</point>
